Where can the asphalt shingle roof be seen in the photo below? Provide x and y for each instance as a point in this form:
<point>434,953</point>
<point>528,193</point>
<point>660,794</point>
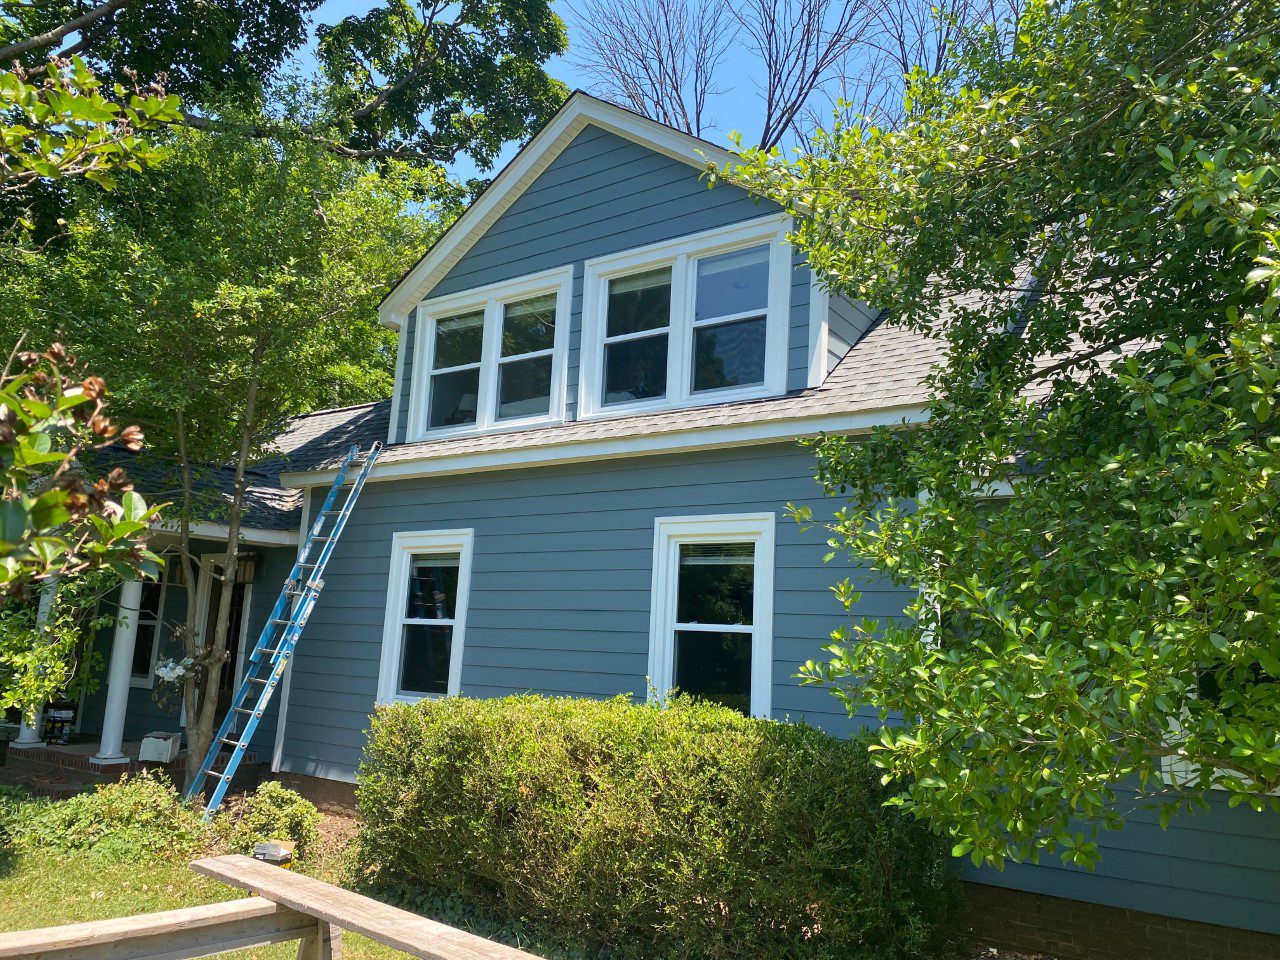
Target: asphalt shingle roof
<point>267,505</point>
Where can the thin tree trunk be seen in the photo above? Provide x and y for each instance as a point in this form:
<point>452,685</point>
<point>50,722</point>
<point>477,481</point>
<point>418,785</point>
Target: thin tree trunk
<point>200,733</point>
<point>190,633</point>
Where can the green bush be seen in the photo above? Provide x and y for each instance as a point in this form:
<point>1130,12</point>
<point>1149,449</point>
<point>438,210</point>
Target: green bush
<point>141,817</point>
<point>638,831</point>
<point>272,812</point>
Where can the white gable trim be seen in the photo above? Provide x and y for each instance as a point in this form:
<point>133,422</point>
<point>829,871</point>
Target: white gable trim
<point>578,112</point>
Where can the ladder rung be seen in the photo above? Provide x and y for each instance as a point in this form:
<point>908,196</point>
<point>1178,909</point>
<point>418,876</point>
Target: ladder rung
<point>242,710</point>
<point>234,743</point>
<point>255,680</point>
<point>276,620</point>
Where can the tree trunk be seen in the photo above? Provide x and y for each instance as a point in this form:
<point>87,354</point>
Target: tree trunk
<point>202,724</point>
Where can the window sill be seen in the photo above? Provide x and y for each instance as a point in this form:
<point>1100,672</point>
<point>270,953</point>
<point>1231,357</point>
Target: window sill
<point>471,430</point>
<point>719,397</point>
<point>141,683</point>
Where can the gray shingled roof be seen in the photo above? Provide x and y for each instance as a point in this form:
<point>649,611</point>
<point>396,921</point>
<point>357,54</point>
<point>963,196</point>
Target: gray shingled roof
<point>267,505</point>
<point>883,371</point>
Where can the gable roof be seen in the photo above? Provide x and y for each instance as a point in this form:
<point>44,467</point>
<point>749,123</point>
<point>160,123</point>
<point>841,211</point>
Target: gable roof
<point>578,112</point>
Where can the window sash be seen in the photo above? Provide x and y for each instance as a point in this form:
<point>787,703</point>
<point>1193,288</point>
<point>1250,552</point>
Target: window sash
<point>670,534</point>
<point>407,548</point>
<point>682,257</point>
<point>554,286</point>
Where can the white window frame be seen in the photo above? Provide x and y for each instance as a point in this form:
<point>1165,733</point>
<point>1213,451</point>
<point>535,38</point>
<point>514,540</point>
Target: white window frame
<point>136,681</point>
<point>403,546</point>
<point>682,255</point>
<point>490,300</point>
<point>668,534</point>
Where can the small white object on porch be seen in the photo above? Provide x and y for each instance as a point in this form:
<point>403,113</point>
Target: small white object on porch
<point>29,736</point>
<point>109,749</point>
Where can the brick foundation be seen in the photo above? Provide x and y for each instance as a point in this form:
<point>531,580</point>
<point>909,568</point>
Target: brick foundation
<point>1075,930</point>
<point>332,796</point>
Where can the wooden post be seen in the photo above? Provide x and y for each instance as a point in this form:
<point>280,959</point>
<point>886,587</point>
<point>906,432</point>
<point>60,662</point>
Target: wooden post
<point>326,944</point>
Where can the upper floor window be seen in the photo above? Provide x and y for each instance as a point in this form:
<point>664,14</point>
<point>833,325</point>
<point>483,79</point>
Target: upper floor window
<point>698,320</point>
<point>492,357</point>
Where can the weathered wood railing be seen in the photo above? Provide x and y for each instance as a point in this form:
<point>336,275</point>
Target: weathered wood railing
<point>288,906</point>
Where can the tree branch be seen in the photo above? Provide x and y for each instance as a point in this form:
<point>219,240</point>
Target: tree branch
<point>49,38</point>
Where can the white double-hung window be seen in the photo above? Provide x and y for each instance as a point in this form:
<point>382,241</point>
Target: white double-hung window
<point>493,357</point>
<point>702,319</point>
<point>425,624</point>
<point>711,626</point>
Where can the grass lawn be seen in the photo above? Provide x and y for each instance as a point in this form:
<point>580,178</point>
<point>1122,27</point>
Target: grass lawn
<point>38,890</point>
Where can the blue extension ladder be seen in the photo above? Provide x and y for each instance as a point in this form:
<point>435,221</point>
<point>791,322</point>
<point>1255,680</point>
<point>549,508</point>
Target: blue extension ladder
<point>279,636</point>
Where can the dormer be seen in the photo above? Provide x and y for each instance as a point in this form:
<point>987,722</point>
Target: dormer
<point>599,276</point>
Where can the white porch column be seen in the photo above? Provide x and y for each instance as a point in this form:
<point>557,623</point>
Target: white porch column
<point>118,671</point>
<point>29,736</point>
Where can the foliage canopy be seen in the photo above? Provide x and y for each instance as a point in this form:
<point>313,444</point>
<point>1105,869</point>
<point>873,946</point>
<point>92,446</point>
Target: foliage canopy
<point>1085,225</point>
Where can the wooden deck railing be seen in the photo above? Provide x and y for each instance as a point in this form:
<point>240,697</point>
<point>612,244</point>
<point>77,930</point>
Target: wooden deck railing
<point>288,906</point>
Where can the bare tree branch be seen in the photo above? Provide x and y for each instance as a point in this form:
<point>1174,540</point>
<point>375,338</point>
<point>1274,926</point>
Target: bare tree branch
<point>799,42</point>
<point>49,38</point>
<point>657,57</point>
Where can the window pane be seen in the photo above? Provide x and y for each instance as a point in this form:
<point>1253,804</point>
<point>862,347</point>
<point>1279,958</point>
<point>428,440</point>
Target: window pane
<point>143,645</point>
<point>524,388</point>
<point>640,302</point>
<point>453,397</point>
<point>635,369</point>
<point>717,583</point>
<point>715,666</point>
<point>528,326</point>
<point>424,658</point>
<point>733,283</point>
<point>728,354</point>
<point>458,340</point>
<point>433,587</point>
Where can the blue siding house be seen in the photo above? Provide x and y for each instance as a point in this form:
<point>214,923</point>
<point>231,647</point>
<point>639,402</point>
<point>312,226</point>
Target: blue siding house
<point>604,368</point>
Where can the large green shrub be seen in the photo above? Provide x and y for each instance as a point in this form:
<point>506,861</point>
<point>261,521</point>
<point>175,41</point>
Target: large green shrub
<point>685,831</point>
<point>142,817</point>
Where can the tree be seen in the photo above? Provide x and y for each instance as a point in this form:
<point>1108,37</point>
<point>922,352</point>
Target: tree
<point>423,81</point>
<point>661,57</point>
<point>202,50</point>
<point>658,57</point>
<point>1087,220</point>
<point>231,287</point>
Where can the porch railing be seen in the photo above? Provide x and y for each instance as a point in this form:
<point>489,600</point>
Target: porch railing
<point>287,906</point>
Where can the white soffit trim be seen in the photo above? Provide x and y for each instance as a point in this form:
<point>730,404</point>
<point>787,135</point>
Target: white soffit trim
<point>579,111</point>
<point>616,448</point>
<point>255,536</point>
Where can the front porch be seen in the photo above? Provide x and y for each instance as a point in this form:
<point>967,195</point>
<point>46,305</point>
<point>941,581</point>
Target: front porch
<point>61,770</point>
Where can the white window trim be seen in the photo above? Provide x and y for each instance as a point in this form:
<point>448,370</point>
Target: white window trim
<point>490,299</point>
<point>149,681</point>
<point>668,534</point>
<point>678,254</point>
<point>403,546</point>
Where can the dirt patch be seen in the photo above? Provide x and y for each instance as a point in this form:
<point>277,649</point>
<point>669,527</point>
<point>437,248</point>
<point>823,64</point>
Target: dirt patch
<point>996,953</point>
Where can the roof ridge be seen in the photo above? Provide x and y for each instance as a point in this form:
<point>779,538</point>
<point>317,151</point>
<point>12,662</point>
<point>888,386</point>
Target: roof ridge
<point>353,406</point>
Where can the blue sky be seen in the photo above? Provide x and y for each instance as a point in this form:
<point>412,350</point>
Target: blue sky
<point>735,108</point>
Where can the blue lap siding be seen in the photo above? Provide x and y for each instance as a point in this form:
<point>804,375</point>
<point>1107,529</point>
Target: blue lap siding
<point>560,586</point>
<point>604,194</point>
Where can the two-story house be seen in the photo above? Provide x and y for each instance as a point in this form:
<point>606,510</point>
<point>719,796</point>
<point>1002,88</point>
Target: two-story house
<point>604,367</point>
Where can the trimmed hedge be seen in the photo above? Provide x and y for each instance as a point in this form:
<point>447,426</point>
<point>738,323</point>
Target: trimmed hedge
<point>639,831</point>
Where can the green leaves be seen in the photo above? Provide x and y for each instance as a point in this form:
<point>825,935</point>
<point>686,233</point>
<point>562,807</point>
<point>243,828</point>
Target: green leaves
<point>1106,637</point>
<point>58,125</point>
